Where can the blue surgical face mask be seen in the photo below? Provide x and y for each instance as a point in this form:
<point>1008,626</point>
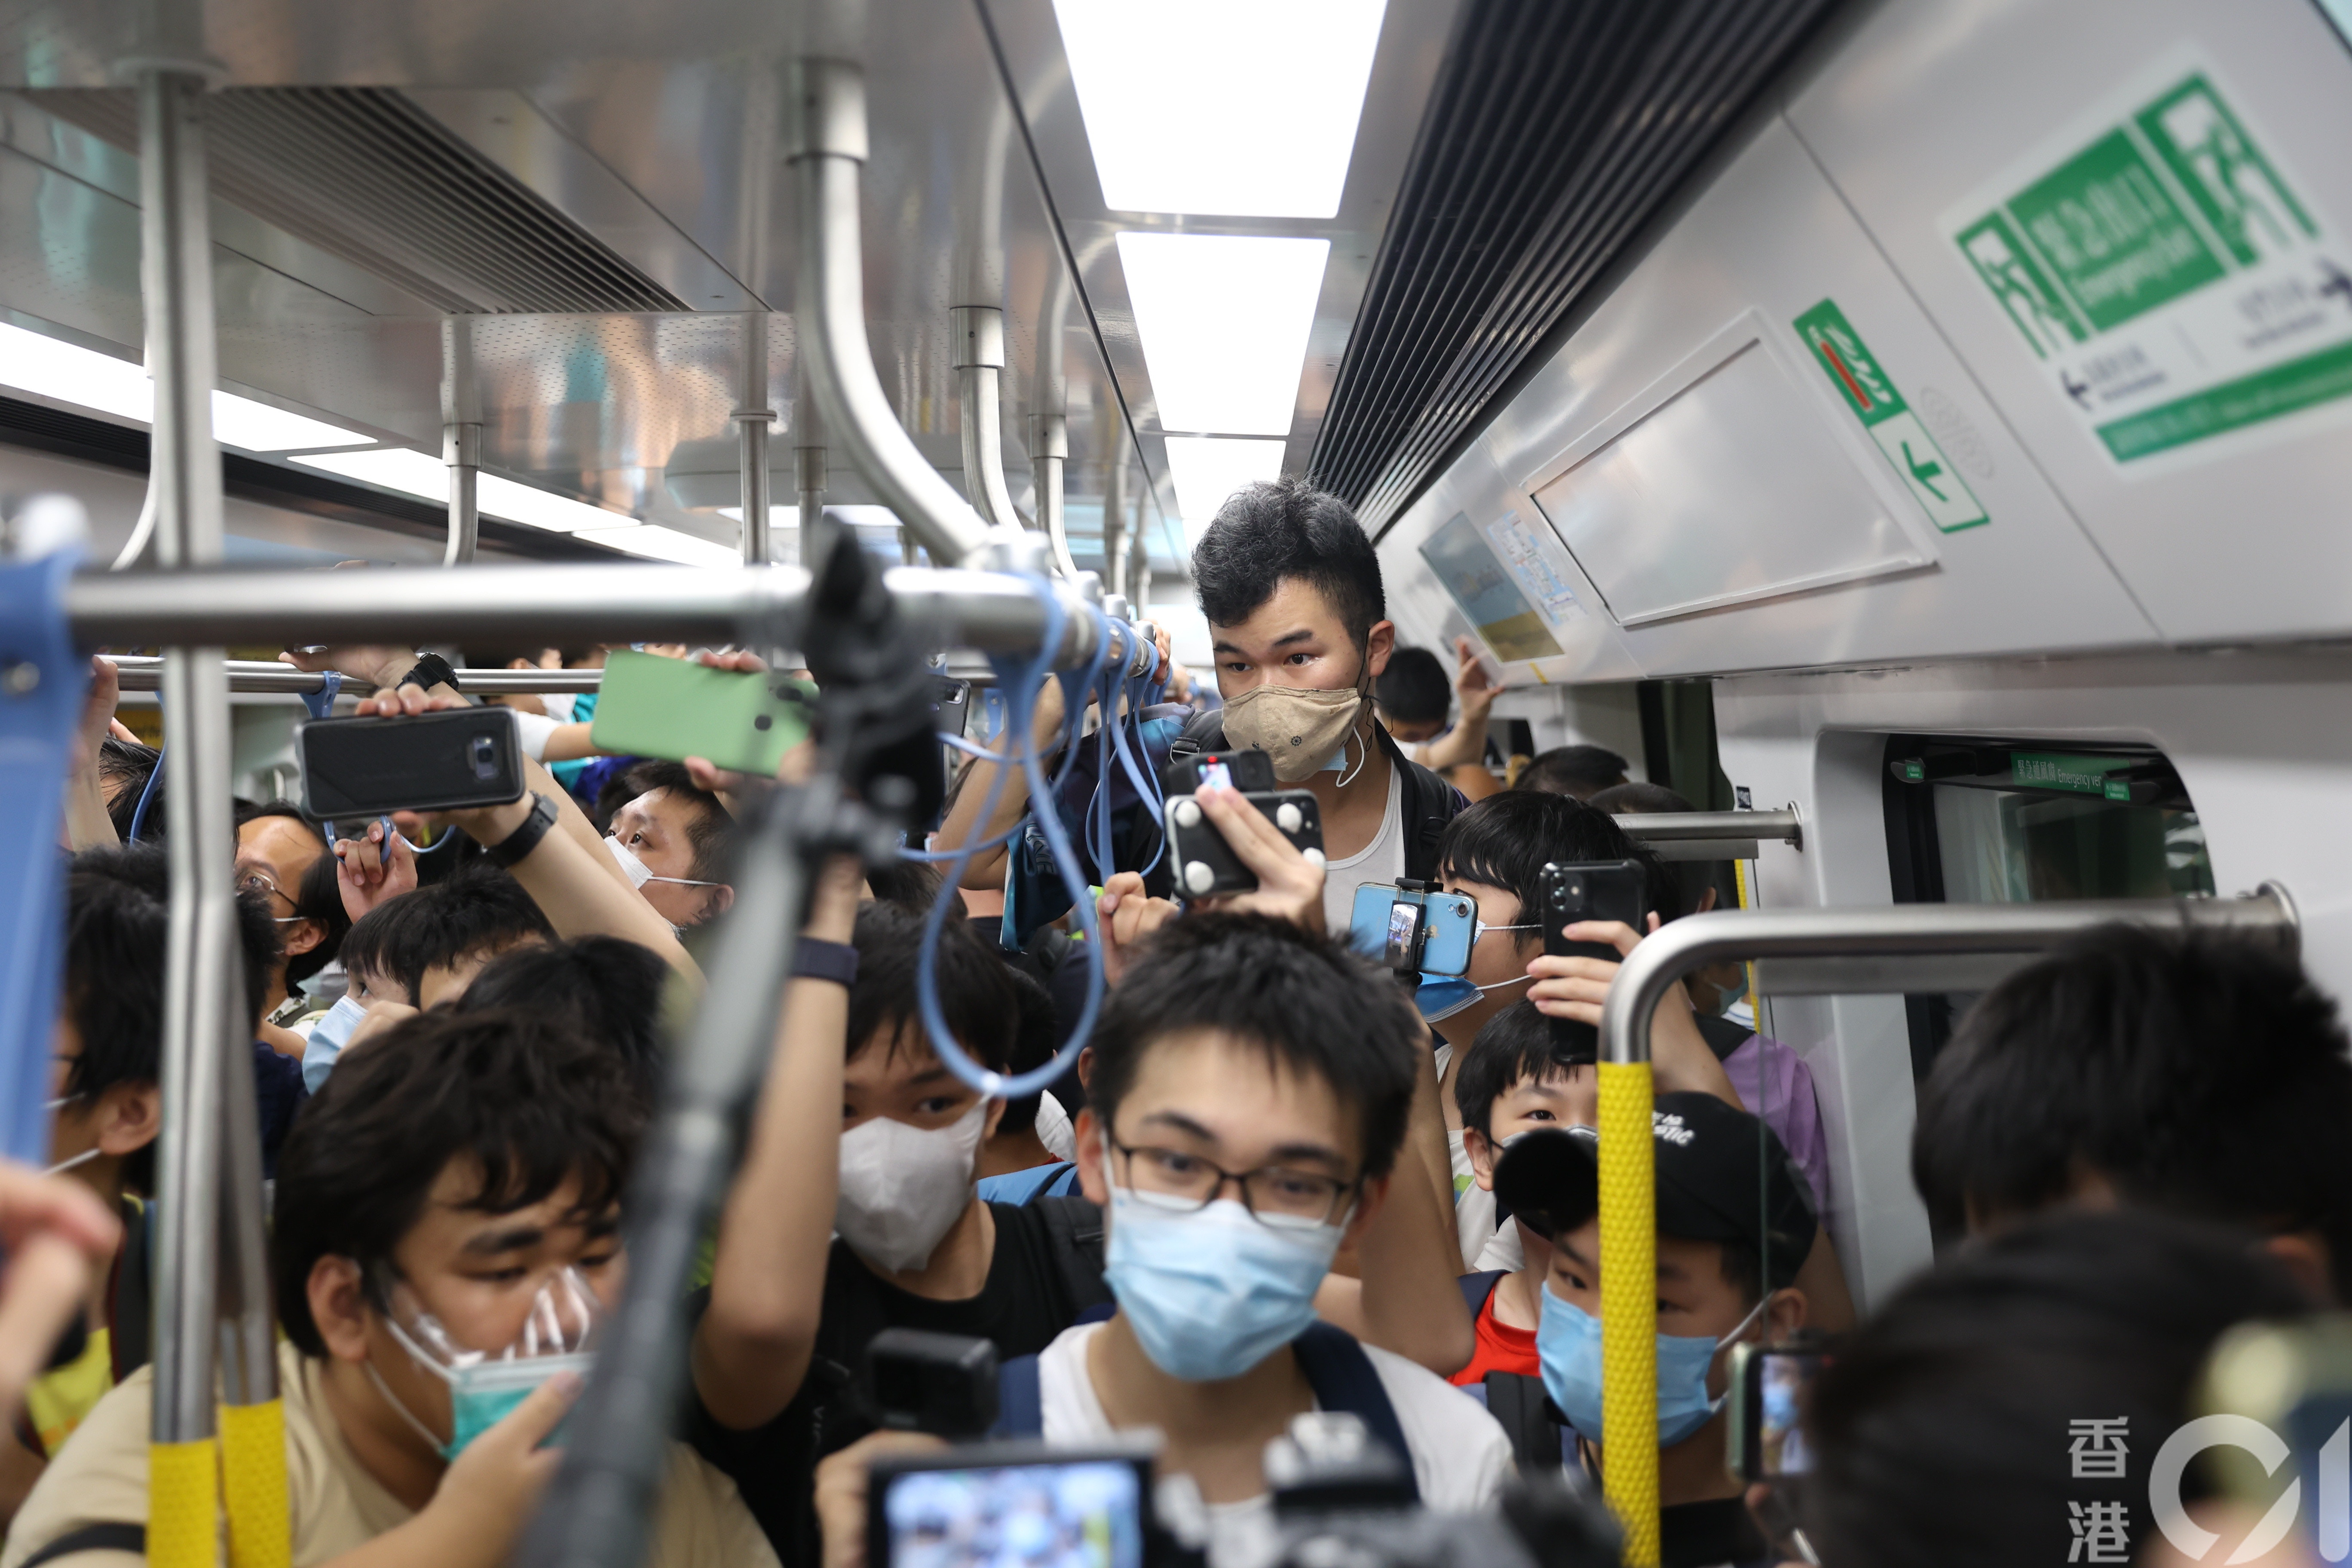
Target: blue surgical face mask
<point>1567,1340</point>
<point>1213,1291</point>
<point>1442,996</point>
<point>328,1036</point>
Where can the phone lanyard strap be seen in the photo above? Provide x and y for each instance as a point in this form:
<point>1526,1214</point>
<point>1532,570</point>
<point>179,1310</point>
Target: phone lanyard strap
<point>322,702</point>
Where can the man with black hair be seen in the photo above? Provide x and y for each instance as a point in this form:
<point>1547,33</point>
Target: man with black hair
<point>1291,587</point>
<point>1581,771</point>
<point>1413,698</point>
<point>285,859</point>
<point>1251,1088</point>
<point>677,843</point>
<point>2198,1073</point>
<point>445,1193</point>
<point>106,1080</point>
<point>1734,1225</point>
<point>1933,1430</point>
<point>604,989</point>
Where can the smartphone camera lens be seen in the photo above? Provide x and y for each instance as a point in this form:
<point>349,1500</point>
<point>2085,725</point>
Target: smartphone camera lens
<point>485,757</point>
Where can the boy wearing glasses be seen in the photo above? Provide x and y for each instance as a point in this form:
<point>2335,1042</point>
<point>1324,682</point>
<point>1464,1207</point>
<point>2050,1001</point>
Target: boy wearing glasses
<point>1249,1097</point>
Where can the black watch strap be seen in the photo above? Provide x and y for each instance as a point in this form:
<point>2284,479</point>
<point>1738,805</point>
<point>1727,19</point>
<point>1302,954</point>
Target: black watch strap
<point>816,959</point>
<point>510,850</point>
<point>429,671</point>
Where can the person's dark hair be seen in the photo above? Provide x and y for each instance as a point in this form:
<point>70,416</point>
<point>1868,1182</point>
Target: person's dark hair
<point>1637,797</point>
<point>1414,688</point>
<point>1287,530</point>
<point>317,897</point>
<point>1517,1043</point>
<point>1306,1002</point>
<point>1579,771</point>
<point>1934,1428</point>
<point>708,828</point>
<point>479,908</point>
<point>910,884</point>
<point>123,770</point>
<point>1034,1039</point>
<point>118,912</point>
<point>2197,1072</point>
<point>529,1104</point>
<point>976,994</point>
<point>1506,840</point>
<point>606,990</point>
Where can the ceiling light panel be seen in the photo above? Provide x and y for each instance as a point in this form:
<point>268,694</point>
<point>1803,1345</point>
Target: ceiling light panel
<point>1223,320</point>
<point>1205,471</point>
<point>69,372</point>
<point>1232,108</point>
<point>535,508</point>
<point>391,468</point>
<point>658,543</point>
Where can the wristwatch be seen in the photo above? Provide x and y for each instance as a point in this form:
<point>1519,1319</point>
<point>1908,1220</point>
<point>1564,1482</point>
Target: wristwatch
<point>429,671</point>
<point>509,850</point>
<point>815,959</point>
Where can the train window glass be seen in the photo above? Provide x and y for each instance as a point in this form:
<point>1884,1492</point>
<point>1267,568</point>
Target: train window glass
<point>1995,822</point>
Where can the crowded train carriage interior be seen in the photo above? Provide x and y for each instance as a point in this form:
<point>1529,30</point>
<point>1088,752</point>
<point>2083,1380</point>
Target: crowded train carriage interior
<point>1109,783</point>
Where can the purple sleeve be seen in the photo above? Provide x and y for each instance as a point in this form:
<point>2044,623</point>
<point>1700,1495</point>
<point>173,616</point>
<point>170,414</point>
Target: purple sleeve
<point>1774,1082</point>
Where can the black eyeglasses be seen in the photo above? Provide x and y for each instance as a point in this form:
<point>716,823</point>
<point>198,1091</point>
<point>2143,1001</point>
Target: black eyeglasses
<point>1276,1195</point>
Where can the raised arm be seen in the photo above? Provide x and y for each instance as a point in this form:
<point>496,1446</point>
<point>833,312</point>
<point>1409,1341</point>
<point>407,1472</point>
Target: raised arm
<point>963,826</point>
<point>1577,987</point>
<point>767,1281</point>
<point>87,826</point>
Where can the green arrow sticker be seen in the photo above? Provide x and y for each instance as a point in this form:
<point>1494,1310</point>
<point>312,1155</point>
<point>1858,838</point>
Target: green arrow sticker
<point>1870,393</point>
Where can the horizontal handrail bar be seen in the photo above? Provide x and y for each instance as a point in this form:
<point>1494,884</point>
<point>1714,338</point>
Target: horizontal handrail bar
<point>558,604</point>
<point>1886,931</point>
<point>143,672</point>
<point>1779,825</point>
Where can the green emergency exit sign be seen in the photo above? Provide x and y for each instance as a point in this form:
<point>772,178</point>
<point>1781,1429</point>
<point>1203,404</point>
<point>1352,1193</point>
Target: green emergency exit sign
<point>2081,776</point>
<point>1870,393</point>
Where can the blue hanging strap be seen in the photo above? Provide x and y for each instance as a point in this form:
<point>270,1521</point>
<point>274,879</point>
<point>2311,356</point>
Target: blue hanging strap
<point>42,687</point>
<point>322,702</point>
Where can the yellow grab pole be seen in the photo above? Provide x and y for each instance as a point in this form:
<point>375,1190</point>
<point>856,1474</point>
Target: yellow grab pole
<point>1629,1307</point>
<point>1748,901</point>
<point>183,1498</point>
<point>253,1478</point>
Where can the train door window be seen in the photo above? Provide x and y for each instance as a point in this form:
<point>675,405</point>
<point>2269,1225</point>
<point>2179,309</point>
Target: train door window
<point>1992,822</point>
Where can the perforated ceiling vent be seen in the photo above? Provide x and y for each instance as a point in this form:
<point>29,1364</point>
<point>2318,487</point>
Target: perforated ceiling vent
<point>1558,129</point>
<point>363,173</point>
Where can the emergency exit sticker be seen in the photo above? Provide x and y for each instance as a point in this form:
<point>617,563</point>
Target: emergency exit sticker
<point>2162,267</point>
<point>1867,389</point>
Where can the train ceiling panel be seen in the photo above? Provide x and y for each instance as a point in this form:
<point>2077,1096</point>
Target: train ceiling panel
<point>1558,129</point>
<point>1953,544</point>
<point>2133,219</point>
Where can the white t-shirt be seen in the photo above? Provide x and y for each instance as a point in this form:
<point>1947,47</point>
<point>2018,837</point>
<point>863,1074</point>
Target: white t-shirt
<point>536,729</point>
<point>1460,1457</point>
<point>1381,860</point>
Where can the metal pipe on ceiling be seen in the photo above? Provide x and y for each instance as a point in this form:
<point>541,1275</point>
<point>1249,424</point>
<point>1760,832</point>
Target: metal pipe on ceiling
<point>977,335</point>
<point>1891,934</point>
<point>816,529</point>
<point>1049,451</point>
<point>138,672</point>
<point>562,603</point>
<point>752,418</point>
<point>829,304</point>
<point>461,448</point>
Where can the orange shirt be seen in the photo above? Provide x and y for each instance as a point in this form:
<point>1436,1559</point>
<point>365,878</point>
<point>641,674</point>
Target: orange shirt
<point>1501,1348</point>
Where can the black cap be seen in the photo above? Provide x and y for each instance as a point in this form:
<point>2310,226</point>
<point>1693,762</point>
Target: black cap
<point>1712,1183</point>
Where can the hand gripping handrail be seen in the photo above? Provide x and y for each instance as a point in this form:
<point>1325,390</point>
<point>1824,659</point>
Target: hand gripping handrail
<point>1628,1168</point>
<point>829,313</point>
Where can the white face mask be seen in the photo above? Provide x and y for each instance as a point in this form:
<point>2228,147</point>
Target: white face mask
<point>902,1187</point>
<point>557,705</point>
<point>639,873</point>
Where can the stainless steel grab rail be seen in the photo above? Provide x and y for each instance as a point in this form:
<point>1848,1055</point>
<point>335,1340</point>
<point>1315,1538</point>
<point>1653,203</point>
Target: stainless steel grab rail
<point>1711,834</point>
<point>142,672</point>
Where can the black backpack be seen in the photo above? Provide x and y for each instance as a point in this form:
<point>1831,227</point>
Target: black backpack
<point>1515,1401</point>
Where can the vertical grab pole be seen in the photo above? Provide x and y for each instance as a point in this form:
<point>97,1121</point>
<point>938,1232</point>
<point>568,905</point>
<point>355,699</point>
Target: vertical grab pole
<point>209,1160</point>
<point>753,416</point>
<point>978,339</point>
<point>1629,1268</point>
<point>1115,540</point>
<point>808,469</point>
<point>461,448</point>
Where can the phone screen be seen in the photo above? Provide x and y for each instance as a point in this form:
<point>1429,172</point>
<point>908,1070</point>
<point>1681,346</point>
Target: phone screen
<point>1216,773</point>
<point>1404,926</point>
<point>1785,1384</point>
<point>1085,1513</point>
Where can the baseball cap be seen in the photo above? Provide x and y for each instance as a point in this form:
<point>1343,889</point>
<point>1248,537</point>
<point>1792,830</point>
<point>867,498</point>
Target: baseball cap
<point>1712,1185</point>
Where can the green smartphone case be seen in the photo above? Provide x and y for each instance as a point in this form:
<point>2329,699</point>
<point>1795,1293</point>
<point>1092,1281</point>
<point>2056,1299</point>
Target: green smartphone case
<point>673,708</point>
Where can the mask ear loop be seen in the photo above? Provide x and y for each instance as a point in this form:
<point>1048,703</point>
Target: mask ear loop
<point>436,1444</point>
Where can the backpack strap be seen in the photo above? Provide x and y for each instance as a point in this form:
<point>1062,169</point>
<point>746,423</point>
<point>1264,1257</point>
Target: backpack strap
<point>131,1312</point>
<point>1425,803</point>
<point>1073,1233</point>
<point>109,1537</point>
<point>1020,1410</point>
<point>1517,1402</point>
<point>1477,1288</point>
<point>1344,1378</point>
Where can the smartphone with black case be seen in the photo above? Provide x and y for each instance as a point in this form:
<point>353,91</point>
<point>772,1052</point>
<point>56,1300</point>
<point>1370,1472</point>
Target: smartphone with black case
<point>995,1503</point>
<point>1771,1389</point>
<point>1205,865</point>
<point>1591,890</point>
<point>1250,772</point>
<point>448,759</point>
